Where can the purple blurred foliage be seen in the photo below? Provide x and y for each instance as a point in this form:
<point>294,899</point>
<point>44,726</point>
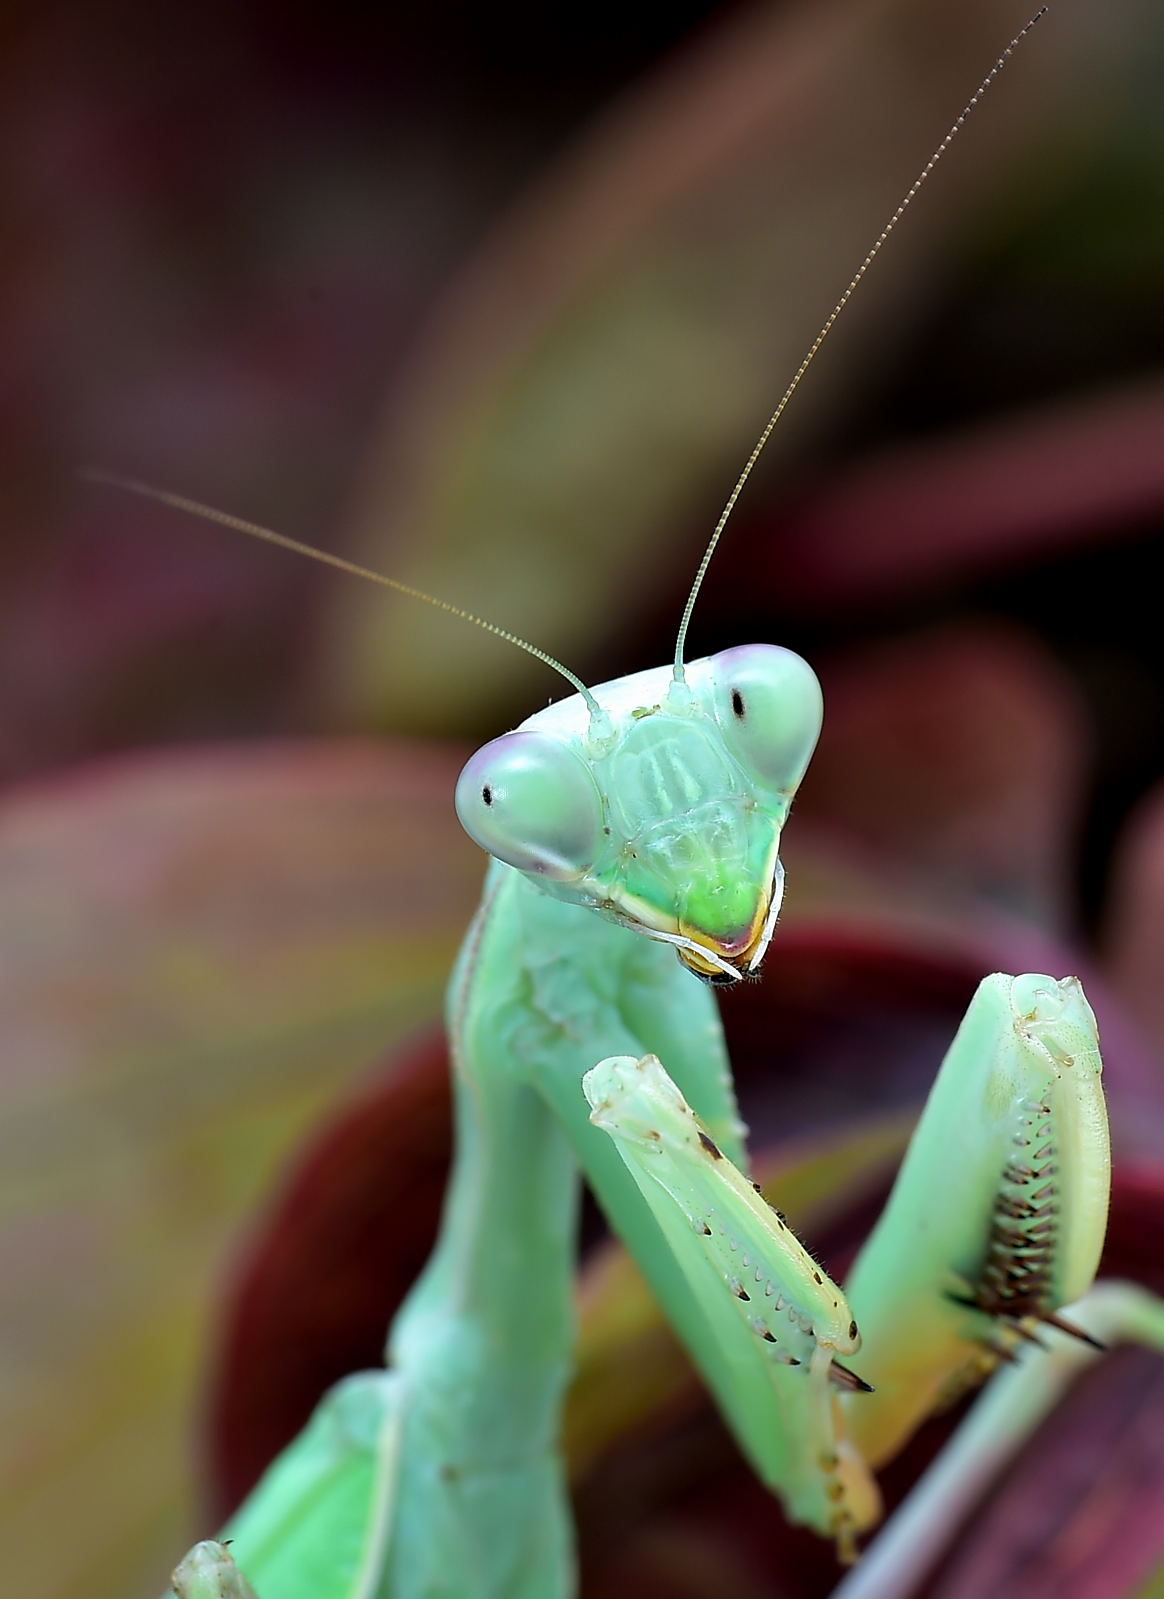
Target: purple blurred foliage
<point>992,499</point>
<point>330,268</point>
<point>224,228</point>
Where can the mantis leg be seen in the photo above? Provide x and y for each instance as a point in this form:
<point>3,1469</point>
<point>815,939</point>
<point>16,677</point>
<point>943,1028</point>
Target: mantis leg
<point>998,1214</point>
<point>1002,1419</point>
<point>315,1526</point>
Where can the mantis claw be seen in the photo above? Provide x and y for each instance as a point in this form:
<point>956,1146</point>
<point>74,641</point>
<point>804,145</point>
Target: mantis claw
<point>842,1377</point>
<point>1027,1334</point>
<point>1053,1319</point>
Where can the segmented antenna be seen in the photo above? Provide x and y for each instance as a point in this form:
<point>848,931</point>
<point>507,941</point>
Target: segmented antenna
<point>180,502</point>
<point>810,356</point>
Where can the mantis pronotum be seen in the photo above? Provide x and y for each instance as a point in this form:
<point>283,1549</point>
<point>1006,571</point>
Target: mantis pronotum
<point>634,816</point>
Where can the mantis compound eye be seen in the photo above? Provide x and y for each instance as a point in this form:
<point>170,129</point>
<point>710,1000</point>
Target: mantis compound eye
<point>768,705</point>
<point>529,800</point>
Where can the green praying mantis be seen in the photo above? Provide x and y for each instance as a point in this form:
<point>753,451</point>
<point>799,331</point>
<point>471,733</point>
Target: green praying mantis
<point>635,830</point>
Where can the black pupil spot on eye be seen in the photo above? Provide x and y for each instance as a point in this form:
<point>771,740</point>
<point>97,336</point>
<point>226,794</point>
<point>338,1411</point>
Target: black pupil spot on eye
<point>738,703</point>
<point>487,794</point>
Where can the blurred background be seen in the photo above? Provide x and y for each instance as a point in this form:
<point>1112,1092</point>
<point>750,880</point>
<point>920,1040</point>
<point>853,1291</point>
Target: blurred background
<point>497,301</point>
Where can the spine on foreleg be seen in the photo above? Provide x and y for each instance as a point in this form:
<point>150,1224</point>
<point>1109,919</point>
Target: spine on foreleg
<point>998,1213</point>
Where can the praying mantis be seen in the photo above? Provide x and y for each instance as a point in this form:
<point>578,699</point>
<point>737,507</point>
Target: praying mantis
<point>635,830</point>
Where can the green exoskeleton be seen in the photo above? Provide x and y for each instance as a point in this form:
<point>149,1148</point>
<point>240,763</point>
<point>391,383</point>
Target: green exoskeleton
<point>209,1572</point>
<point>636,831</point>
<point>983,1238</point>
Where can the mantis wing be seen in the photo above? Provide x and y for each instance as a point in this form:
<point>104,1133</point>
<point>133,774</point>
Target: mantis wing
<point>315,1526</point>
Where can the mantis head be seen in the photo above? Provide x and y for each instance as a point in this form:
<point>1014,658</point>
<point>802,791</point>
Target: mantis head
<point>664,810</point>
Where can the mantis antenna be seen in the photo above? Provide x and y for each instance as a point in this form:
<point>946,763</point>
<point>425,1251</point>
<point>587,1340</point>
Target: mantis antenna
<point>180,502</point>
<point>827,327</point>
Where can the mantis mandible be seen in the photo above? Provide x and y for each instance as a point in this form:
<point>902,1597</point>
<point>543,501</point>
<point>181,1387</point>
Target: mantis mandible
<point>635,830</point>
